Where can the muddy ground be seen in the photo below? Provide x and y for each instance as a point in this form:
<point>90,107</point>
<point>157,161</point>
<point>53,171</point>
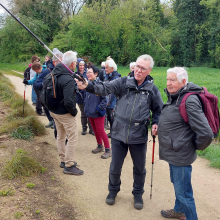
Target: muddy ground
<point>60,196</point>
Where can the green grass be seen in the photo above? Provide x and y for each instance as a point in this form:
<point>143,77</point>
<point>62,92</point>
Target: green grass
<point>7,192</point>
<point>22,133</point>
<point>18,215</point>
<point>15,117</point>
<point>21,164</point>
<point>212,153</point>
<point>30,185</point>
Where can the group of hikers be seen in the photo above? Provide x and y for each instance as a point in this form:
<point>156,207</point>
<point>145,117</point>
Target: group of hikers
<point>130,104</point>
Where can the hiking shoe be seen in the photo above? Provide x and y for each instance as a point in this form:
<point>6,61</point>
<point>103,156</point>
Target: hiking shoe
<point>171,214</point>
<point>99,149</point>
<point>138,202</point>
<point>110,200</point>
<point>84,131</point>
<point>62,164</point>
<point>73,170</point>
<point>50,124</point>
<point>107,154</point>
<point>92,132</point>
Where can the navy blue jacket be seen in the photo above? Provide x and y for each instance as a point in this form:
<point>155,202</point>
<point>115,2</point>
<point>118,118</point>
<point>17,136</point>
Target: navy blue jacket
<point>110,77</point>
<point>81,94</point>
<point>94,106</point>
<point>40,80</point>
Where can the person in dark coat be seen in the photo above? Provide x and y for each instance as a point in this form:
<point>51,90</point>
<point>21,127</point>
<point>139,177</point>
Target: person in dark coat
<point>82,69</point>
<point>95,108</point>
<point>178,141</point>
<point>65,115</point>
<point>137,97</point>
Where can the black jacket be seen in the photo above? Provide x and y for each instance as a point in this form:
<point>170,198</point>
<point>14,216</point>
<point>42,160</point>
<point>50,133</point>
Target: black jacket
<point>66,91</point>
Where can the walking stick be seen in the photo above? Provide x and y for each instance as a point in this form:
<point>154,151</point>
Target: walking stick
<point>152,166</point>
<point>77,76</point>
<point>24,99</point>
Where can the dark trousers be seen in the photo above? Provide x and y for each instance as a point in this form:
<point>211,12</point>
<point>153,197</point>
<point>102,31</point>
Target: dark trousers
<point>138,155</point>
<point>109,114</point>
<point>39,106</point>
<point>84,119</point>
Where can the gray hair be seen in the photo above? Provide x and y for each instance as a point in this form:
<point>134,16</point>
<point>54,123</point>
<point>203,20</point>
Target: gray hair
<point>60,56</point>
<point>82,62</point>
<point>147,57</point>
<point>132,64</point>
<point>111,63</point>
<point>69,57</point>
<point>180,72</point>
<point>103,64</point>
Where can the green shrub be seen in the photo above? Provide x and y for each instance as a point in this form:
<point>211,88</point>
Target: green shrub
<point>30,185</point>
<point>21,165</point>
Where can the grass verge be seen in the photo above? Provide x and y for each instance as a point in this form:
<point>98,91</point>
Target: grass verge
<point>21,165</point>
<point>15,121</point>
<point>212,153</point>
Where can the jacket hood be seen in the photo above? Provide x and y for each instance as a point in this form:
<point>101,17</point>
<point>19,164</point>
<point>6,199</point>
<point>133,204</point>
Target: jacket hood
<point>77,66</point>
<point>60,69</point>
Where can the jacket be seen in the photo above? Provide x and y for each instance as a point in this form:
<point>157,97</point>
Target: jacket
<point>94,106</point>
<point>81,93</point>
<point>132,111</point>
<point>33,80</point>
<point>40,80</point>
<point>65,91</point>
<point>178,141</point>
<point>110,77</point>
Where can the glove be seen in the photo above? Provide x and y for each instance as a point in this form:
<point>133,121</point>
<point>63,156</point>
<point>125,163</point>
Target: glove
<point>25,82</point>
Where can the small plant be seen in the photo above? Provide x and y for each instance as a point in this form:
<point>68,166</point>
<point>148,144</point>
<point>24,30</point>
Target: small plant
<point>22,133</point>
<point>7,192</point>
<point>43,169</point>
<point>30,185</point>
<point>21,165</point>
<point>37,212</point>
<point>53,177</point>
<point>18,215</point>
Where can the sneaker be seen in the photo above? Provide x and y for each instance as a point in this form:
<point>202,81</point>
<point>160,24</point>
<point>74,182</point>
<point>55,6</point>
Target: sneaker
<point>84,131</point>
<point>99,149</point>
<point>107,154</point>
<point>50,124</point>
<point>172,214</point>
<point>73,170</point>
<point>138,202</point>
<point>110,200</point>
<point>109,135</point>
<point>62,164</point>
<point>92,132</point>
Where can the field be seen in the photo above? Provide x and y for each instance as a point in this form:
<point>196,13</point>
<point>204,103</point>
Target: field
<point>202,76</point>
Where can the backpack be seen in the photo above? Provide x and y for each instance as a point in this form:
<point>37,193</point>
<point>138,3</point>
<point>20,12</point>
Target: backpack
<point>27,73</point>
<point>48,97</point>
<point>210,108</point>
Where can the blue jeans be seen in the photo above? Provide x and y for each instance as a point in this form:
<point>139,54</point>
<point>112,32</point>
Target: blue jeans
<point>33,96</point>
<point>181,179</point>
<point>138,155</point>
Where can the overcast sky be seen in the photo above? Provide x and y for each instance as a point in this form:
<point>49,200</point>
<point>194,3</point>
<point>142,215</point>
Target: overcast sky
<point>5,3</point>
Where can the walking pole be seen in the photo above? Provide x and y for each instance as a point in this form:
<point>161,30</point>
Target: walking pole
<point>24,99</point>
<point>152,166</point>
<point>77,76</point>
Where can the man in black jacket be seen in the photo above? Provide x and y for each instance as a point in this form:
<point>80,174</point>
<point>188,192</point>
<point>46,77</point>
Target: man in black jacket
<point>136,97</point>
<point>64,115</point>
<point>178,141</point>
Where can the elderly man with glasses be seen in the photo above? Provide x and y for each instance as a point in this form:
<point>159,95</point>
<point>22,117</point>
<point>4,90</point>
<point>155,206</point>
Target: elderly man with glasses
<point>136,97</point>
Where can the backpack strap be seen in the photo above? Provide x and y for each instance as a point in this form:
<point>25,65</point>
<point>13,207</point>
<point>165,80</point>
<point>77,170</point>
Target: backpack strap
<point>182,106</point>
<point>54,92</point>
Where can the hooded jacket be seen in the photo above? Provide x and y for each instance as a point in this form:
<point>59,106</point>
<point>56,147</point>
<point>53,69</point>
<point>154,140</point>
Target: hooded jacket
<point>178,141</point>
<point>132,111</point>
<point>81,93</point>
<point>66,93</point>
<point>40,80</point>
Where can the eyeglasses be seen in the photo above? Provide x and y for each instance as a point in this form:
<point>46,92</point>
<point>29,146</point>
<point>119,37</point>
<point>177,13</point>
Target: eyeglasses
<point>141,68</point>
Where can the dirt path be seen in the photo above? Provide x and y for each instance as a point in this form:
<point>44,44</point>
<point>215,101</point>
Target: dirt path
<point>88,192</point>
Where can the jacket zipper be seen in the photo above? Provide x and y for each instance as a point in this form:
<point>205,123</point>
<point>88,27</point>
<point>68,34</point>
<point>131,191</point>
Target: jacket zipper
<point>131,116</point>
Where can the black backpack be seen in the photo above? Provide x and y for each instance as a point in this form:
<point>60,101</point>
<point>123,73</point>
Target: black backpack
<point>27,73</point>
<point>49,97</point>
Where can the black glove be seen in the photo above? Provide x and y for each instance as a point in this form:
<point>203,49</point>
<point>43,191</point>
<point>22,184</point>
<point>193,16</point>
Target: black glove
<point>25,82</point>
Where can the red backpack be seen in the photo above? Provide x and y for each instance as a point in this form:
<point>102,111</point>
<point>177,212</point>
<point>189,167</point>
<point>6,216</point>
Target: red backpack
<point>210,108</point>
